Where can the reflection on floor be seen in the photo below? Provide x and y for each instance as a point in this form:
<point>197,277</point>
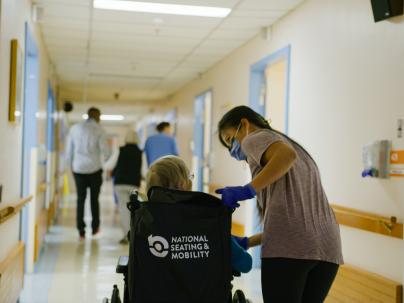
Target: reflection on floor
<point>69,271</point>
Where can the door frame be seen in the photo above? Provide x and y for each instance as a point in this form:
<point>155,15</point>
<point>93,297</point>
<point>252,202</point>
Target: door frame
<point>202,140</point>
<point>29,145</point>
<point>257,81</point>
<point>50,146</point>
<point>257,102</point>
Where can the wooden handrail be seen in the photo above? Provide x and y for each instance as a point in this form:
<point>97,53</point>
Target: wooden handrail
<point>368,221</point>
<point>358,219</point>
<point>213,187</point>
<point>12,274</point>
<point>10,257</point>
<point>8,212</point>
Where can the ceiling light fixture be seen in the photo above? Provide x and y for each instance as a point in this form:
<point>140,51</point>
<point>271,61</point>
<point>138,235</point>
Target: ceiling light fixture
<point>107,117</point>
<point>163,8</point>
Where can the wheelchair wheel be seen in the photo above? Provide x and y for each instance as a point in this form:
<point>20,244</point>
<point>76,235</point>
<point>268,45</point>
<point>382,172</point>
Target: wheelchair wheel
<point>115,295</point>
<point>239,297</point>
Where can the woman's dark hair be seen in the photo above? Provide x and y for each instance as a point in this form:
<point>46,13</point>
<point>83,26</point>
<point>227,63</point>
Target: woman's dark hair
<point>233,118</point>
<point>93,111</point>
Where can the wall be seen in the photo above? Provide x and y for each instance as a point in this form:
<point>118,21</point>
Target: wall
<point>346,79</point>
<point>14,14</point>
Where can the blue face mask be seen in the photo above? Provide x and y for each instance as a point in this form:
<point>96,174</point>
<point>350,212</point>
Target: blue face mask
<point>235,151</point>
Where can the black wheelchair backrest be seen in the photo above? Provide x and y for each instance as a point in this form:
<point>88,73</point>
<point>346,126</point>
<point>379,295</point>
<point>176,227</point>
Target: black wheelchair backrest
<point>179,248</point>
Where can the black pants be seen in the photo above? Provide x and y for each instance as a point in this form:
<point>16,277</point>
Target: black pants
<point>94,182</point>
<point>296,281</point>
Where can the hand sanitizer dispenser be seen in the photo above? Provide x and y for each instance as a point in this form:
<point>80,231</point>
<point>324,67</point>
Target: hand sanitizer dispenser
<point>376,156</point>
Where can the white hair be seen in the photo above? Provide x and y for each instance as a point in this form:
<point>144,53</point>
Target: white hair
<point>169,172</point>
<point>131,137</point>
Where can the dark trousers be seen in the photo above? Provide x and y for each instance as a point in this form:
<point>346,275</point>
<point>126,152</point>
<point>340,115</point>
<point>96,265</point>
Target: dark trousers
<point>296,281</point>
<point>94,182</point>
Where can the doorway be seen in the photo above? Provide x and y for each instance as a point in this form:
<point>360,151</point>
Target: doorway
<point>50,147</point>
<point>29,145</point>
<point>269,96</point>
<point>202,141</point>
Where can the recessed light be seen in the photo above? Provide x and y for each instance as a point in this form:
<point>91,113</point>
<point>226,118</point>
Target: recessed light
<point>108,117</point>
<point>163,8</point>
<point>158,21</point>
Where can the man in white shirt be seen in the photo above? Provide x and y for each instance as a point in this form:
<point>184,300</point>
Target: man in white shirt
<point>86,150</point>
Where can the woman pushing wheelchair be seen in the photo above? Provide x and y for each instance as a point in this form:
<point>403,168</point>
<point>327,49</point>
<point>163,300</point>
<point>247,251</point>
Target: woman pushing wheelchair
<point>301,246</point>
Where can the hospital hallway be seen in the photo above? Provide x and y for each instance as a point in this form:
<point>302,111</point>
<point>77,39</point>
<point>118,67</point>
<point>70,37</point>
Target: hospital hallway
<point>69,270</point>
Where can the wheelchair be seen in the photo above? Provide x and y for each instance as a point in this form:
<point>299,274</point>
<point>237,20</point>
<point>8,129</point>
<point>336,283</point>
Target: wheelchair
<point>179,250</point>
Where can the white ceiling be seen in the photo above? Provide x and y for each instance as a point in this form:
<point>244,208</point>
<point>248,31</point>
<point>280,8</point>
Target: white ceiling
<point>129,53</point>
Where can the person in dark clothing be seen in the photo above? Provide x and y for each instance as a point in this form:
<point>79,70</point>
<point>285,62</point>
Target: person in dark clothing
<point>127,177</point>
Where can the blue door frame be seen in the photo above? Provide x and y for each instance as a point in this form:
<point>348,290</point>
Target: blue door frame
<point>30,137</point>
<point>30,109</point>
<point>50,131</point>
<point>202,139</point>
<point>257,83</point>
<point>199,139</point>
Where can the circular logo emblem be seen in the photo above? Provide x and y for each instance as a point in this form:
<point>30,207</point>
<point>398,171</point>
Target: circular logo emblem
<point>158,246</point>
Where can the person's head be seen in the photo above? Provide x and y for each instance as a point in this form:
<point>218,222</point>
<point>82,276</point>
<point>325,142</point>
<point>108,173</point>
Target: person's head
<point>169,172</point>
<point>67,107</point>
<point>237,123</point>
<point>131,137</point>
<point>94,113</point>
<point>164,127</point>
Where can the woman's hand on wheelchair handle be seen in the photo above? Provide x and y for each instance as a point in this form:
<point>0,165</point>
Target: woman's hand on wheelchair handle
<point>231,195</point>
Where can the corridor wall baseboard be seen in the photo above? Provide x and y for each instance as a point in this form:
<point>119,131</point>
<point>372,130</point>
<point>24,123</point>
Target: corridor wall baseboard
<point>12,274</point>
<point>54,205</point>
<point>51,212</point>
<point>41,227</point>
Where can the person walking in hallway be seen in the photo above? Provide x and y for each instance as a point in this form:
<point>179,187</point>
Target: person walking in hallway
<point>86,150</point>
<point>127,177</point>
<point>161,144</point>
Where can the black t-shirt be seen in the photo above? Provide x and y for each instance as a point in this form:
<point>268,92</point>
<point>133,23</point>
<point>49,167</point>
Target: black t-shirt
<point>128,168</point>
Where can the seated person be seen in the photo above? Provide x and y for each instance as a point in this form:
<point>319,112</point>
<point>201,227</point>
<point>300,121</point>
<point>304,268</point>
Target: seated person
<point>171,172</point>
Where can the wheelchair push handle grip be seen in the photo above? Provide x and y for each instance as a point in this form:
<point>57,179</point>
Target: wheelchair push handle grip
<point>134,202</point>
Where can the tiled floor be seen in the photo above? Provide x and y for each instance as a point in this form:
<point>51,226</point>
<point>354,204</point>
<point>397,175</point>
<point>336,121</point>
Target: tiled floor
<point>69,271</point>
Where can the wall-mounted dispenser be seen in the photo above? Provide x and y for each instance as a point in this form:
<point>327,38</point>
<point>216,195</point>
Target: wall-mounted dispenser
<point>376,159</point>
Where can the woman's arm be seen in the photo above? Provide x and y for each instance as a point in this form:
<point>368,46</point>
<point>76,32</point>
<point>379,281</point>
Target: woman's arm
<point>277,160</point>
<point>240,259</point>
<point>254,240</point>
<point>111,162</point>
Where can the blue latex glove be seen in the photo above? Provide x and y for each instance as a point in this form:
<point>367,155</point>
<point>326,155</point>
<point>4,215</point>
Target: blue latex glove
<point>241,260</point>
<point>242,241</point>
<point>231,195</point>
